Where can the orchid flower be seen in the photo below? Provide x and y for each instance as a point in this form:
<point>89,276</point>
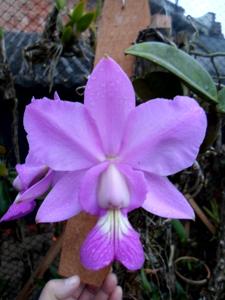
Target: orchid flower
<point>33,180</point>
<point>116,158</point>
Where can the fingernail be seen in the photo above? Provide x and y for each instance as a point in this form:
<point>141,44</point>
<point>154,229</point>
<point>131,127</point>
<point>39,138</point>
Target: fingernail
<point>72,280</point>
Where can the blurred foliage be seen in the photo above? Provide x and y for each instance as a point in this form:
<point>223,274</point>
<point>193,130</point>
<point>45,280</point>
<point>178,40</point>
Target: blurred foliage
<point>180,230</point>
<point>78,21</point>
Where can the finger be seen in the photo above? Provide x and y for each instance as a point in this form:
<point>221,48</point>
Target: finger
<point>87,294</point>
<point>117,294</point>
<point>108,287</point>
<point>58,289</point>
<point>110,283</point>
<point>79,291</point>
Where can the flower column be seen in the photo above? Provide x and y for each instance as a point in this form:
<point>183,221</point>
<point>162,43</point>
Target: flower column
<point>119,27</point>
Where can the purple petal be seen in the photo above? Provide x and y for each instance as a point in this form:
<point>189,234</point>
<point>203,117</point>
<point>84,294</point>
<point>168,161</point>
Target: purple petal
<point>37,189</point>
<point>18,210</point>
<point>97,250</point>
<point>28,174</point>
<point>128,247</point>
<point>137,186</point>
<point>113,238</point>
<point>62,135</point>
<point>89,189</point>
<point>62,202</point>
<point>164,200</point>
<point>164,136</point>
<point>109,97</point>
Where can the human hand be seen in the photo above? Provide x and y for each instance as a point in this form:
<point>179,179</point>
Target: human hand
<point>72,289</point>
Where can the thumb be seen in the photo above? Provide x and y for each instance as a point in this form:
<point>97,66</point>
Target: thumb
<point>58,289</point>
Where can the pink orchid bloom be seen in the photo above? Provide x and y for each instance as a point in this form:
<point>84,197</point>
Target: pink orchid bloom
<point>33,180</point>
<point>116,158</point>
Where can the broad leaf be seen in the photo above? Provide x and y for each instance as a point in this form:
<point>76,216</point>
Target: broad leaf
<point>85,21</point>
<point>180,64</point>
<point>221,100</point>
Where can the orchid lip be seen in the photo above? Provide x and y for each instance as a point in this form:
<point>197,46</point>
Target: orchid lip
<point>113,238</point>
<point>113,191</point>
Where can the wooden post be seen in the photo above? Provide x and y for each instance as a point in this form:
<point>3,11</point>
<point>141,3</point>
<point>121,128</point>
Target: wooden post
<point>118,29</point>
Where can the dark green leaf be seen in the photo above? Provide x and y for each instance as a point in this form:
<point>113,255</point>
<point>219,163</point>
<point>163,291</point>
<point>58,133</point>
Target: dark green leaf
<point>180,64</point>
<point>221,100</point>
<point>85,21</point>
<point>67,34</point>
<point>157,85</point>
<point>77,12</point>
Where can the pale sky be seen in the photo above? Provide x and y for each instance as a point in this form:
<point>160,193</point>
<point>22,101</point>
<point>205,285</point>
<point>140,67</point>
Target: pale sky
<point>197,8</point>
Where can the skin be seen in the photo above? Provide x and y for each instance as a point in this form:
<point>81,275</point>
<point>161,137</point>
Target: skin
<point>72,289</point>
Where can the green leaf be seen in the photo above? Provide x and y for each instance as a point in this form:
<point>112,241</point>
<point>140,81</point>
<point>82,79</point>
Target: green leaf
<point>67,34</point>
<point>179,228</point>
<point>77,12</point>
<point>60,4</point>
<point>180,64</point>
<point>85,21</point>
<point>221,100</point>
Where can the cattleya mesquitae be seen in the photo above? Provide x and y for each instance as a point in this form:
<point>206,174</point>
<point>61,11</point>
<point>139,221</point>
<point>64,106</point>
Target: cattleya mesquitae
<point>107,157</point>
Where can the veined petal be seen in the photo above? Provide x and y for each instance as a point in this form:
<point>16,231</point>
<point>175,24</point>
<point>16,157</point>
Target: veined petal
<point>109,97</point>
<point>128,247</point>
<point>163,136</point>
<point>18,210</point>
<point>113,238</point>
<point>37,189</point>
<point>97,250</point>
<point>62,135</point>
<point>164,200</point>
<point>62,202</point>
